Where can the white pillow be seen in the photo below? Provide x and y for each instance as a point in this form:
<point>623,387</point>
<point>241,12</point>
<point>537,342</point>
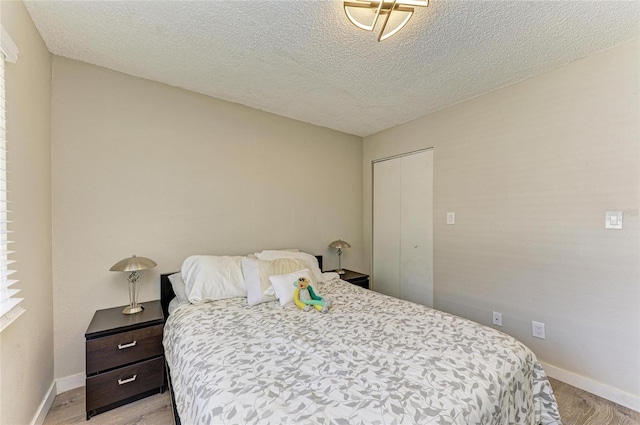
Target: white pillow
<point>211,278</point>
<point>256,276</point>
<point>253,255</point>
<point>178,288</point>
<point>284,287</point>
<point>173,304</point>
<point>310,261</point>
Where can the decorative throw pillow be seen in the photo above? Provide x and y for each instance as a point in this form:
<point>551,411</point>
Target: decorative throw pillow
<point>310,261</point>
<point>284,287</point>
<point>256,276</point>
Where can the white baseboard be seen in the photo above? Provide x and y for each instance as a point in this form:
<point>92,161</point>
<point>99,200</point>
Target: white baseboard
<point>58,386</point>
<point>594,387</point>
<point>43,409</point>
<point>70,383</point>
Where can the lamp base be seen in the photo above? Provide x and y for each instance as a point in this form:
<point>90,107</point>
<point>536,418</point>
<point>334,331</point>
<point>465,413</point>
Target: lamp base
<point>133,310</point>
<point>341,271</point>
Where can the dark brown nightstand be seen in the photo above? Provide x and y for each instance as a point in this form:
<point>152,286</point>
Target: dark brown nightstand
<point>124,357</point>
<point>355,278</point>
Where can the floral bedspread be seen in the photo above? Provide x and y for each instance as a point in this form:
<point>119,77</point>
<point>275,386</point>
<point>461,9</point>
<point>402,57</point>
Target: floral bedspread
<point>371,359</point>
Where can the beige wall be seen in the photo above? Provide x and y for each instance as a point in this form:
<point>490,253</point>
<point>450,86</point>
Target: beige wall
<point>141,167</point>
<point>529,171</point>
<point>26,346</point>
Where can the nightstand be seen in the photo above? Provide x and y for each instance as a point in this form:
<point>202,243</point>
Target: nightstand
<point>355,278</point>
<point>124,357</point>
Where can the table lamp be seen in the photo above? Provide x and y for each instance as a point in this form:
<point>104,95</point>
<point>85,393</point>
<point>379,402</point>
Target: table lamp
<point>133,264</point>
<point>339,245</point>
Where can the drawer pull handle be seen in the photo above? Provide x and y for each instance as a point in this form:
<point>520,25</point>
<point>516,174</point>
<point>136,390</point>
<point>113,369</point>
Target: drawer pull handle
<point>126,381</point>
<point>131,344</point>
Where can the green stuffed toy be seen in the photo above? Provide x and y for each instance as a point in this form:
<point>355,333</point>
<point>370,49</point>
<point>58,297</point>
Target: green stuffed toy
<point>305,297</point>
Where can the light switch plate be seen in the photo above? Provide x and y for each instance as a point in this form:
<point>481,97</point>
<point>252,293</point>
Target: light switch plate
<point>451,218</point>
<point>613,220</point>
<point>497,318</point>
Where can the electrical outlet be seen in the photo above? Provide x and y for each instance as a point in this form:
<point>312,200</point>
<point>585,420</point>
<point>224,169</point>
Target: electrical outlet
<point>538,329</point>
<point>497,318</point>
<point>613,220</point>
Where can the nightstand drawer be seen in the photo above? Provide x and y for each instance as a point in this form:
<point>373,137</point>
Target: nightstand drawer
<point>355,278</point>
<point>363,283</point>
<point>119,384</point>
<point>127,347</point>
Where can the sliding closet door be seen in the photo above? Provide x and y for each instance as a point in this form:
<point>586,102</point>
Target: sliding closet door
<point>403,227</point>
<point>416,229</point>
<point>386,227</point>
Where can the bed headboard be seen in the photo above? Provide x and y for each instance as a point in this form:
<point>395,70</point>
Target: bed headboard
<point>167,294</point>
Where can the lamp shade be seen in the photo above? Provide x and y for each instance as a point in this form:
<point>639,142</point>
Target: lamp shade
<point>339,244</point>
<point>133,264</point>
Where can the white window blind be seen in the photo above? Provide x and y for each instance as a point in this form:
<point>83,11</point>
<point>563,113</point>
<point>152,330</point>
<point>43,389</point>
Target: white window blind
<point>10,308</point>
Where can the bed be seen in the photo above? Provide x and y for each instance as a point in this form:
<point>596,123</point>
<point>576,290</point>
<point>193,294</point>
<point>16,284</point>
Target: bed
<point>371,359</point>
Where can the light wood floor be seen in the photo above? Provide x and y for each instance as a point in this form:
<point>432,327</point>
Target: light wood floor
<point>577,407</point>
<point>68,408</point>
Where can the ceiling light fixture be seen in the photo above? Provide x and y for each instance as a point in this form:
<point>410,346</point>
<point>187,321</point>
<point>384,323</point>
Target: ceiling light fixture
<point>359,13</point>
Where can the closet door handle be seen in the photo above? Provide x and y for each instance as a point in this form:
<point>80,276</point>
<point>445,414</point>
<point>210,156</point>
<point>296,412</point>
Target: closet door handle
<point>126,381</point>
<point>131,344</point>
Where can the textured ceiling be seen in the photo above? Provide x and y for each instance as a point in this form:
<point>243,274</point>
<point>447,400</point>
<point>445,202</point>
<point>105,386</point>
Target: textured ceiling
<point>304,60</point>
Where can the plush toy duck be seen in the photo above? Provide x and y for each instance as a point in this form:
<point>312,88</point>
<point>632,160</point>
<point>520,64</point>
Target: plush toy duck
<point>305,297</point>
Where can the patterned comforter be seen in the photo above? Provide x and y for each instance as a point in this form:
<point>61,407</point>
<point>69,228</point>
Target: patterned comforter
<point>371,359</point>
